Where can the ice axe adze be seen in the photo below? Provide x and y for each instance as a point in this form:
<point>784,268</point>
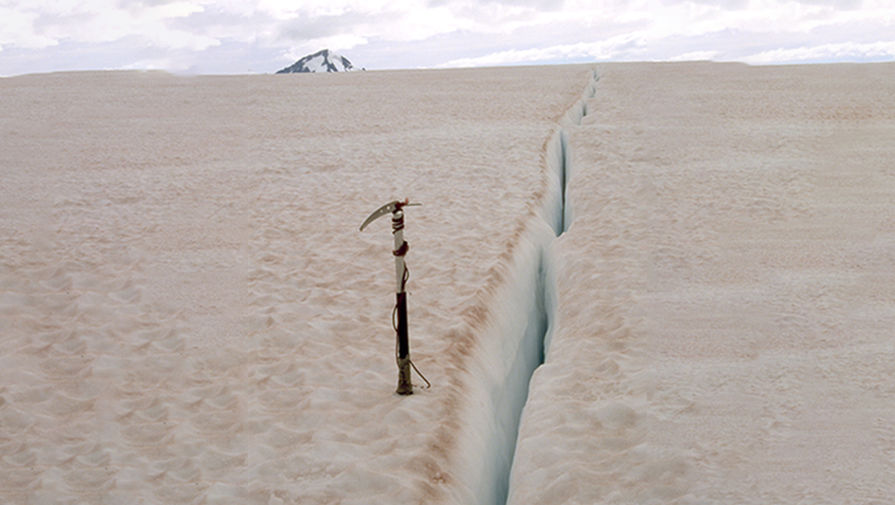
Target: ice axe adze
<point>405,387</point>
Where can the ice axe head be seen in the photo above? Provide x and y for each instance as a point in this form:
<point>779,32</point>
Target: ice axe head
<point>389,208</point>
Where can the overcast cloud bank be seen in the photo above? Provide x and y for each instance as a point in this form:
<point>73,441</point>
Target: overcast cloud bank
<point>213,36</point>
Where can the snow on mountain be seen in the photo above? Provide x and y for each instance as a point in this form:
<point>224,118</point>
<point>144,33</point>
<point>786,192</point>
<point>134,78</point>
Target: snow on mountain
<point>321,61</point>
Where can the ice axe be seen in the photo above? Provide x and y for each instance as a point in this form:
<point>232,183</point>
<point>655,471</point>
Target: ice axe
<point>405,387</point>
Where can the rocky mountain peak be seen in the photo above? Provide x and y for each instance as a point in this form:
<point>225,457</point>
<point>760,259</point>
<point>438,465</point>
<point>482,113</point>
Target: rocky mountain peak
<point>321,61</point>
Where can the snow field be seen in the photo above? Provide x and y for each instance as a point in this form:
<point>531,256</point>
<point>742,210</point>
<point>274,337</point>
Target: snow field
<point>725,295</point>
<point>189,314</point>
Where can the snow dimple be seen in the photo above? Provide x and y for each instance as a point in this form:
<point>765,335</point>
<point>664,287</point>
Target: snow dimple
<point>616,415</point>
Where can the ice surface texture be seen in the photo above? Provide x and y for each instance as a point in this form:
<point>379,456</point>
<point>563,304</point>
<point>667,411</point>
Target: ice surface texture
<point>188,313</point>
<point>725,293</point>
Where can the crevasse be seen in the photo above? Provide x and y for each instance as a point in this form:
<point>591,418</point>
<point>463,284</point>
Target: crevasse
<point>518,340</point>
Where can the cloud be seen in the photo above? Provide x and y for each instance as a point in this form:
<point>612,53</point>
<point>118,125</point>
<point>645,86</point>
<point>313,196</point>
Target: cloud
<point>620,47</point>
<point>695,56</point>
<point>739,30</point>
<point>44,24</point>
<point>848,51</point>
<point>306,28</point>
<point>17,29</point>
<point>541,5</point>
<point>443,33</point>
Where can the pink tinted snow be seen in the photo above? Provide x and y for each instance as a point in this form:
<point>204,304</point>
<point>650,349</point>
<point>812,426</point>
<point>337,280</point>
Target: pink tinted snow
<point>726,293</point>
<point>188,313</point>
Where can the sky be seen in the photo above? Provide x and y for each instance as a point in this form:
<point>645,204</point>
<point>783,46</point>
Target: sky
<point>262,36</point>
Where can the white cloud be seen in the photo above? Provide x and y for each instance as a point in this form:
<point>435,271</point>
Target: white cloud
<point>827,52</point>
<point>695,56</point>
<point>170,64</point>
<point>335,43</point>
<point>16,29</point>
<point>399,33</point>
<point>43,24</point>
<point>621,47</point>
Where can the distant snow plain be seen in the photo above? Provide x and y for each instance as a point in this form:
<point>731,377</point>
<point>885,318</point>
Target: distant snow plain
<point>190,315</point>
